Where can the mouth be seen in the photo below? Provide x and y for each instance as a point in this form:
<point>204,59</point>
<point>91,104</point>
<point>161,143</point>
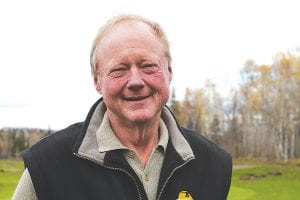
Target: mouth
<point>136,98</point>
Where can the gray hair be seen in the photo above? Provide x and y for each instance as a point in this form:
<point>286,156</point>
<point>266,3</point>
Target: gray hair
<point>157,30</point>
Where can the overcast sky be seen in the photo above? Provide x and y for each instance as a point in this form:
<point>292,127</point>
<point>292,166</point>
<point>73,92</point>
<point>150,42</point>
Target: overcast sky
<point>44,48</point>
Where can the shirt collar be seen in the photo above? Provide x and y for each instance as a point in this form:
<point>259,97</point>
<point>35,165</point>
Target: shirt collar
<point>107,140</point>
<point>163,135</point>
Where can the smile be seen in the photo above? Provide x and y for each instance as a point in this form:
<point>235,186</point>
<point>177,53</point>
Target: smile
<point>136,98</point>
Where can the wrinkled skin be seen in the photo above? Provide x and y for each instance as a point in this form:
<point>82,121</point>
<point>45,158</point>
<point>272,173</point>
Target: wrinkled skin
<point>133,74</point>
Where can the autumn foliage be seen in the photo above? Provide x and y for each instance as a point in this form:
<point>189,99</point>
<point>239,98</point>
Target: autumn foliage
<point>261,118</point>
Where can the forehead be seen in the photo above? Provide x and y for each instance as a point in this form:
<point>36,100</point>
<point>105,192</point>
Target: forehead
<point>127,34</point>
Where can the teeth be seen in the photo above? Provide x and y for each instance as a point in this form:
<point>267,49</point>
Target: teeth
<point>139,98</point>
<point>135,98</point>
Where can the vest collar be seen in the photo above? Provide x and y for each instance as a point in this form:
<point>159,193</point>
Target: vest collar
<point>87,145</point>
<point>107,140</point>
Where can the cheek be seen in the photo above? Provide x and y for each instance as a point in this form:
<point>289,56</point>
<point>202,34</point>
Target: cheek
<point>160,83</point>
<point>161,79</point>
<point>112,86</point>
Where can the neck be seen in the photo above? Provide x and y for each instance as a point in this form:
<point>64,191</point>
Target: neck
<point>141,138</point>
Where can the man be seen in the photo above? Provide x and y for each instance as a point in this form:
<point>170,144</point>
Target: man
<point>130,146</point>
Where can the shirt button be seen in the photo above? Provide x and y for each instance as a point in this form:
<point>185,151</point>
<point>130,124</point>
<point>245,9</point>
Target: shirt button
<point>146,177</point>
<point>130,155</point>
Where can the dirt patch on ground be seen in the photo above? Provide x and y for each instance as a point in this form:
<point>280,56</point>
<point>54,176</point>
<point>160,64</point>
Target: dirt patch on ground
<point>243,166</point>
<point>252,176</point>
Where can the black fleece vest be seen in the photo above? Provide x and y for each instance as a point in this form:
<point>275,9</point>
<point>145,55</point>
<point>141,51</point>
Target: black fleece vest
<point>59,174</point>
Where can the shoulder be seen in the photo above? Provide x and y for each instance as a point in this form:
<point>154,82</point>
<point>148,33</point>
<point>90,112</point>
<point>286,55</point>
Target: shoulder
<point>204,148</point>
<point>50,157</point>
<point>214,161</point>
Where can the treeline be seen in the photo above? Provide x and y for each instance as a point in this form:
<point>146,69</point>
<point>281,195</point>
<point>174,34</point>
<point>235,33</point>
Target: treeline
<point>261,118</point>
<point>15,140</point>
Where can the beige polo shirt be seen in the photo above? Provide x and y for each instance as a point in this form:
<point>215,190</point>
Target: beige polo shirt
<point>149,175</point>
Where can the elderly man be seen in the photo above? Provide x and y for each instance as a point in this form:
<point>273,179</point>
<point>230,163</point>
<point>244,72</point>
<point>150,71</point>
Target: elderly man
<point>130,146</point>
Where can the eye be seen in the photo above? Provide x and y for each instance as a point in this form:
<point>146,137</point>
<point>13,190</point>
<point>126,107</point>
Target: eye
<point>149,68</point>
<point>118,72</point>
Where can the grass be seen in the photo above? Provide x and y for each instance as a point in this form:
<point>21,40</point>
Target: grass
<point>284,186</point>
<point>10,173</point>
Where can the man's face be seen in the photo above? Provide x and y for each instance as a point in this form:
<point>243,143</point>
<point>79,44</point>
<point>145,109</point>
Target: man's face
<point>133,73</point>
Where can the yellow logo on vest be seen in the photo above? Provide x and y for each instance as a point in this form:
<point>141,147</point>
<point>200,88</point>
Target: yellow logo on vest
<point>184,195</point>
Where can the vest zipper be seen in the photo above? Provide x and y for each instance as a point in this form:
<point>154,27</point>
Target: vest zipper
<point>112,168</point>
<point>171,174</point>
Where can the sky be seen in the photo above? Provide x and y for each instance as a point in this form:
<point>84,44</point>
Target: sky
<point>45,79</point>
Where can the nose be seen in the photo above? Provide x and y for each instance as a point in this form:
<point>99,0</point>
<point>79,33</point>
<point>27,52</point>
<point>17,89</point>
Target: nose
<point>135,80</point>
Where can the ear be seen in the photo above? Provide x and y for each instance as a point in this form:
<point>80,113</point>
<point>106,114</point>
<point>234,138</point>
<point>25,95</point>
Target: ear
<point>170,72</point>
<point>97,84</point>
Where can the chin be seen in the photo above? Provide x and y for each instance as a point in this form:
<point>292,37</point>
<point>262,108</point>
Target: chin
<point>141,116</point>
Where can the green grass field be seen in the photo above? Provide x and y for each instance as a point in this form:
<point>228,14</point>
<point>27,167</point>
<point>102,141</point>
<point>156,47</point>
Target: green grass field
<point>266,181</point>
<point>10,173</point>
<point>263,181</point>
